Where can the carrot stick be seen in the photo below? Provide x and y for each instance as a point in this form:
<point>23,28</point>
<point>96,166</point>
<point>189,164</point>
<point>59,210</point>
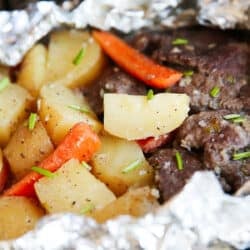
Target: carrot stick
<point>80,143</point>
<point>135,63</point>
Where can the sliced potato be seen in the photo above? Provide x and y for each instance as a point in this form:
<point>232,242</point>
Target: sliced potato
<point>114,157</point>
<point>134,117</point>
<point>18,215</point>
<point>57,115</point>
<point>27,148</point>
<point>73,189</point>
<point>136,202</point>
<point>33,69</point>
<point>63,49</point>
<point>15,102</point>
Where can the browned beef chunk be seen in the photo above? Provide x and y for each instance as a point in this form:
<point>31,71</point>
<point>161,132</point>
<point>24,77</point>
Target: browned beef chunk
<point>218,59</point>
<point>113,80</point>
<point>219,139</point>
<point>170,180</point>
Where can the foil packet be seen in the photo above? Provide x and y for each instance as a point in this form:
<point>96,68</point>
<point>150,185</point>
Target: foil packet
<point>20,29</point>
<point>201,217</point>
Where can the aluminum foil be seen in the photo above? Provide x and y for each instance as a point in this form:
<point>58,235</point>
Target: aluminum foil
<point>21,29</point>
<point>200,217</point>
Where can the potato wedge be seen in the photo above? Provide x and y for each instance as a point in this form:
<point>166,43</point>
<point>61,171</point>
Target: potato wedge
<point>63,48</point>
<point>18,215</point>
<point>56,114</point>
<point>136,202</point>
<point>27,148</point>
<point>15,103</point>
<point>114,157</point>
<point>73,189</point>
<point>134,117</point>
<point>33,69</point>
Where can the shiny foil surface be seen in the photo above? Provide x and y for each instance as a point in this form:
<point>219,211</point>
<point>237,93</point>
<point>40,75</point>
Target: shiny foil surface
<point>21,29</point>
<point>200,217</point>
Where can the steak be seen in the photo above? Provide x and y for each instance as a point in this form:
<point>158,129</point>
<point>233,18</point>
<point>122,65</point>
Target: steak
<point>112,80</point>
<point>169,179</point>
<point>218,59</point>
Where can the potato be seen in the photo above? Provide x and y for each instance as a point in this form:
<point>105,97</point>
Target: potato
<point>134,117</point>
<point>4,71</point>
<point>3,172</point>
<point>111,160</point>
<point>136,202</point>
<point>27,148</point>
<point>33,69</point>
<point>64,46</point>
<point>18,215</point>
<point>15,101</point>
<point>73,189</point>
<point>56,114</point>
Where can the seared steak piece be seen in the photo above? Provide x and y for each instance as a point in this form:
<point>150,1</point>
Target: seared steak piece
<point>170,180</point>
<point>219,139</point>
<point>113,80</point>
<point>217,58</point>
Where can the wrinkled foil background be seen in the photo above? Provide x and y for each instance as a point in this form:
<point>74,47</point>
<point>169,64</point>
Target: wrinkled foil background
<point>20,29</point>
<point>201,216</point>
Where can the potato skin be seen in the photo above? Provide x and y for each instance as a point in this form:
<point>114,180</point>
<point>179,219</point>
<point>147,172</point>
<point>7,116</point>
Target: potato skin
<point>18,215</point>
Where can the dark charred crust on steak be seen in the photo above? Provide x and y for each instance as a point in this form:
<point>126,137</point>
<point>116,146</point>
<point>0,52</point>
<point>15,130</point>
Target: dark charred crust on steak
<point>169,179</point>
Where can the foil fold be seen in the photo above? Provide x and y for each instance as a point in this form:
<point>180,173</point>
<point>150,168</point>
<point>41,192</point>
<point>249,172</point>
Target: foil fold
<point>22,29</point>
<point>200,217</point>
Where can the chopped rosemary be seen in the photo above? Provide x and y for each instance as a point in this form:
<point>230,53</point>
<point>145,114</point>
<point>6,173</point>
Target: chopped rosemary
<point>132,166</point>
<point>86,165</point>
<point>78,108</point>
<point>150,94</point>
<point>88,208</point>
<point>180,41</point>
<point>43,171</point>
<point>241,155</point>
<point>32,121</point>
<point>4,83</point>
<point>235,118</point>
<point>77,60</point>
<point>215,91</point>
<point>188,73</point>
<point>179,161</point>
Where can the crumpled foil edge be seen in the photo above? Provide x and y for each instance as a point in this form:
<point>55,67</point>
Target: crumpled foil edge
<point>196,218</point>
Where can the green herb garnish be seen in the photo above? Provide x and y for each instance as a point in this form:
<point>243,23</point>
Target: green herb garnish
<point>88,208</point>
<point>150,94</point>
<point>32,121</point>
<point>78,108</point>
<point>4,83</point>
<point>235,118</point>
<point>77,60</point>
<point>86,165</point>
<point>180,41</point>
<point>241,155</point>
<point>43,171</point>
<point>188,73</point>
<point>215,91</point>
<point>179,161</point>
<point>132,166</point>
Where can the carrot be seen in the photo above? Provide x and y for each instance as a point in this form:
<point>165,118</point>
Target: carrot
<point>152,143</point>
<point>80,143</point>
<point>135,63</point>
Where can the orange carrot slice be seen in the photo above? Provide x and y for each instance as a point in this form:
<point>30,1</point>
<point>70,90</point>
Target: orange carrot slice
<point>80,143</point>
<point>135,63</point>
